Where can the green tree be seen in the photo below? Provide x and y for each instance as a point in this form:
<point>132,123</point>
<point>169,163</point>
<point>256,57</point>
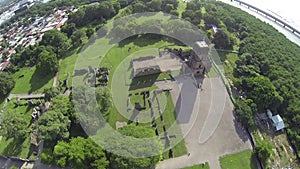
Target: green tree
<point>78,37</point>
<point>69,29</point>
<point>53,126</point>
<point>139,7</point>
<point>263,150</point>
<point>48,63</point>
<point>222,40</point>
<point>155,5</point>
<point>7,83</point>
<point>50,93</point>
<point>87,110</point>
<point>121,148</point>
<point>80,153</point>
<point>57,40</point>
<point>244,114</point>
<point>104,99</point>
<point>13,125</point>
<point>64,105</point>
<point>261,90</point>
<point>78,18</point>
<point>89,32</point>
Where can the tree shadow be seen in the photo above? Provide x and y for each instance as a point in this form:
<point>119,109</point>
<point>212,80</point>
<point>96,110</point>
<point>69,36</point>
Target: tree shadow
<point>14,148</point>
<point>240,130</point>
<point>143,81</point>
<point>76,130</point>
<point>38,80</point>
<point>253,164</point>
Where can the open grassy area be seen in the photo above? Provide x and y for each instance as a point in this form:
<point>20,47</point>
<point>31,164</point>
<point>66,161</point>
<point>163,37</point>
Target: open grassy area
<point>240,160</point>
<point>67,65</point>
<point>199,166</point>
<point>228,59</point>
<point>28,80</point>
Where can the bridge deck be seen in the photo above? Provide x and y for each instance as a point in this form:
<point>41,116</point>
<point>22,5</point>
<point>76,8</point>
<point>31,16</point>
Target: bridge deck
<point>285,24</point>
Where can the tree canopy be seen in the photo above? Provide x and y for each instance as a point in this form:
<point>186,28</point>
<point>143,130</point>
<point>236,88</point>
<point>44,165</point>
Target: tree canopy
<point>122,148</point>
<point>7,83</point>
<point>48,63</point>
<point>13,125</point>
<point>80,153</point>
<point>57,40</point>
<point>53,126</point>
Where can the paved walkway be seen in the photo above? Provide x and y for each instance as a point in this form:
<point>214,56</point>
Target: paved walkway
<point>211,130</point>
<point>26,96</point>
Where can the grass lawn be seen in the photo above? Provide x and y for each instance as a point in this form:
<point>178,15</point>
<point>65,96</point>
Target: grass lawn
<point>199,166</point>
<point>28,80</point>
<point>67,65</point>
<point>17,147</point>
<point>228,59</point>
<point>240,160</point>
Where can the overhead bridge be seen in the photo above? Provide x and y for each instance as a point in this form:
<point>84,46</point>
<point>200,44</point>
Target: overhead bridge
<point>270,16</point>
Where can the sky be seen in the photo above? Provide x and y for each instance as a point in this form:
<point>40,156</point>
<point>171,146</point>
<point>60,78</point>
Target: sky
<point>287,9</point>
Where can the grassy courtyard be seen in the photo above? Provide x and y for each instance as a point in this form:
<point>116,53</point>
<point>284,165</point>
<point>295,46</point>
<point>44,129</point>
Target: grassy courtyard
<point>240,160</point>
<point>28,80</point>
<point>117,60</point>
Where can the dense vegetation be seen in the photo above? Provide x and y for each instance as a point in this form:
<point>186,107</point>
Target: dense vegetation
<point>267,72</point>
<point>7,83</point>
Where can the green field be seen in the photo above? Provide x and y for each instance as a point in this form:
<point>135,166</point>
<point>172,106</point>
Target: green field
<point>228,59</point>
<point>244,160</point>
<point>28,80</point>
<point>67,65</point>
<point>200,166</point>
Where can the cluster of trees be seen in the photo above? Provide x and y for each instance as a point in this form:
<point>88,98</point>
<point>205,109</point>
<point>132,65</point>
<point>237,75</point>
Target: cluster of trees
<point>267,71</point>
<point>80,153</point>
<point>17,131</point>
<point>193,12</point>
<point>147,147</point>
<point>95,13</point>
<point>7,83</point>
<point>168,6</point>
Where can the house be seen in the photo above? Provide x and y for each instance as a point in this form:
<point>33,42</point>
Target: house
<point>278,122</point>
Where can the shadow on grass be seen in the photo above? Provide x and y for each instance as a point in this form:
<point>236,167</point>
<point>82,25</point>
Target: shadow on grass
<point>38,80</point>
<point>253,162</point>
<point>143,81</point>
<point>76,130</point>
<point>14,148</point>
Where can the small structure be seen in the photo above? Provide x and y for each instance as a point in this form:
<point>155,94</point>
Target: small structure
<point>278,122</point>
<point>198,61</point>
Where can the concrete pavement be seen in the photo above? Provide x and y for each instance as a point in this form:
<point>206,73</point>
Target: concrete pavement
<point>212,130</point>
